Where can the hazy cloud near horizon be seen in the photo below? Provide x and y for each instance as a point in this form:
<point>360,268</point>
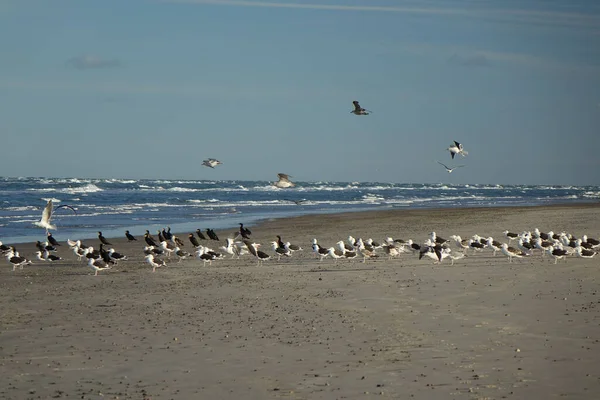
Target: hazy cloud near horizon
<point>92,62</point>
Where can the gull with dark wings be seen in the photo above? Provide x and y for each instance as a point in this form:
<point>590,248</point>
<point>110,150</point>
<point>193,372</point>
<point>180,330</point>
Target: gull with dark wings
<point>47,215</point>
<point>211,162</point>
<point>358,110</point>
<point>457,148</point>
<point>450,169</point>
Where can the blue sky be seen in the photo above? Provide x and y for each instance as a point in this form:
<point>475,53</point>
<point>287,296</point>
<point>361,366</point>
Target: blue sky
<point>150,88</point>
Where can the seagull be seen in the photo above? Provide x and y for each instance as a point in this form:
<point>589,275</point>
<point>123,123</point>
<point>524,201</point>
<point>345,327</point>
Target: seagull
<point>556,253</point>
<point>47,215</point>
<point>284,181</point>
<point>510,235</point>
<point>15,259</point>
<point>298,202</point>
<point>45,256</point>
<point>280,251</point>
<point>448,168</point>
<point>358,110</point>
<point>511,252</point>
<point>211,162</point>
<point>584,253</point>
<point>154,262</point>
<point>181,254</point>
<point>457,148</point>
<point>113,255</point>
<point>97,265</point>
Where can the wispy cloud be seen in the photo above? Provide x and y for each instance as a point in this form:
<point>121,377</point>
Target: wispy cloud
<point>92,62</point>
<point>474,60</point>
<point>481,9</point>
<point>309,6</point>
<point>480,57</point>
<point>193,90</point>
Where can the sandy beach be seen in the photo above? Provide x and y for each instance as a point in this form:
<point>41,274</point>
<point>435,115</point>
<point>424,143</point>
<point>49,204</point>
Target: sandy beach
<point>300,328</point>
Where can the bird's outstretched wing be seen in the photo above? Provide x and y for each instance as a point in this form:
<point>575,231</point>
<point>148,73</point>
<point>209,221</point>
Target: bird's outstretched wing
<point>445,166</point>
<point>458,144</point>
<point>66,206</point>
<point>298,202</point>
<point>284,177</point>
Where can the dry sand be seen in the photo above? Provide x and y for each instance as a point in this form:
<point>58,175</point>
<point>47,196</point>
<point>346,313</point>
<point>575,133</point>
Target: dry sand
<point>304,329</point>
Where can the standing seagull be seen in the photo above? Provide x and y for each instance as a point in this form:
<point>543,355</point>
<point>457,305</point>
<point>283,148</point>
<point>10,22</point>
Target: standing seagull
<point>211,162</point>
<point>450,169</point>
<point>284,181</point>
<point>457,148</point>
<point>47,215</point>
<point>358,110</point>
<point>97,265</point>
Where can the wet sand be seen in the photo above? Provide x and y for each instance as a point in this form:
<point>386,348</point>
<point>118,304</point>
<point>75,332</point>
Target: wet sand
<point>301,328</point>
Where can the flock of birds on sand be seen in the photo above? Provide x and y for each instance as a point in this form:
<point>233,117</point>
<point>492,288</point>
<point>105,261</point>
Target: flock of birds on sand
<point>557,246</point>
<point>167,246</point>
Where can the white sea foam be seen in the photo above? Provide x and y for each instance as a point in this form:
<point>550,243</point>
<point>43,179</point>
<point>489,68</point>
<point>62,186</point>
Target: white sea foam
<point>23,208</point>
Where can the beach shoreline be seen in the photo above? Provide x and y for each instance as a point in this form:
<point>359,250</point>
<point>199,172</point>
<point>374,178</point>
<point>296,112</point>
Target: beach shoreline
<point>300,328</point>
<point>258,221</point>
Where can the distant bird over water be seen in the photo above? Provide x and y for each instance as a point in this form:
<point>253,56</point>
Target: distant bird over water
<point>457,148</point>
<point>211,162</point>
<point>47,215</point>
<point>358,110</point>
<point>298,202</point>
<point>284,181</point>
<point>450,169</point>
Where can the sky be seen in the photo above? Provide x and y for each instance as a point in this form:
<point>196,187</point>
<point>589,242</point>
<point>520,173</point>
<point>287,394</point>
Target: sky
<point>150,88</point>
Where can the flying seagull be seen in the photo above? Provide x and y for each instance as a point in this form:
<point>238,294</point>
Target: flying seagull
<point>457,148</point>
<point>450,169</point>
<point>47,216</point>
<point>298,202</point>
<point>211,162</point>
<point>284,181</point>
<point>358,110</point>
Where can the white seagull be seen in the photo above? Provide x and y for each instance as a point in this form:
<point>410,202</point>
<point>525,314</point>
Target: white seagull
<point>47,215</point>
<point>97,265</point>
<point>448,168</point>
<point>211,162</point>
<point>457,148</point>
<point>284,181</point>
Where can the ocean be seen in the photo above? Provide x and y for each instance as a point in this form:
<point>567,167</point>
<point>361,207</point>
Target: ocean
<point>114,205</point>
